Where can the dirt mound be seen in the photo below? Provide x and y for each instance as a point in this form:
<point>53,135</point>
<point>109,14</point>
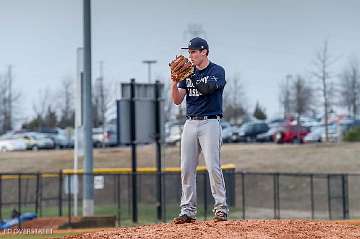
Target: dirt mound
<point>233,229</point>
<point>48,222</point>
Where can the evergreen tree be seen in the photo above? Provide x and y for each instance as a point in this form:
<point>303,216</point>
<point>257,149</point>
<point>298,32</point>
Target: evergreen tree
<point>259,112</point>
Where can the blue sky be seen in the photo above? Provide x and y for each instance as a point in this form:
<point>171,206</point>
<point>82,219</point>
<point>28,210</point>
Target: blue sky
<point>260,41</point>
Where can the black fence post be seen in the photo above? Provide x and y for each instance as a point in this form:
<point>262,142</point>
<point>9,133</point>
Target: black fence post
<point>243,193</point>
<point>329,195</point>
<point>345,196</point>
<point>128,195</point>
<point>312,196</point>
<point>164,195</point>
<point>69,198</point>
<point>158,151</point>
<point>60,198</point>
<point>118,198</point>
<point>37,193</point>
<point>205,196</point>
<point>19,197</point>
<point>276,196</point>
<point>1,217</point>
<point>133,152</point>
<point>40,194</point>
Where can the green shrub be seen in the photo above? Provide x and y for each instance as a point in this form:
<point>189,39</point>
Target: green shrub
<point>353,135</point>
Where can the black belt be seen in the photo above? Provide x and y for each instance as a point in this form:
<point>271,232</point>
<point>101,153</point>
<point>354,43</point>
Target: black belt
<point>203,117</point>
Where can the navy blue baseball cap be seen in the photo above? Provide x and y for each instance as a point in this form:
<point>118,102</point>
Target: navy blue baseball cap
<point>197,43</point>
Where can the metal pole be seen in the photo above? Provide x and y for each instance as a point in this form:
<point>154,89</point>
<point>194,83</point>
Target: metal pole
<point>276,197</point>
<point>118,199</point>
<point>345,196</point>
<point>79,106</point>
<point>312,196</point>
<point>37,193</point>
<point>329,196</point>
<point>60,192</point>
<point>149,62</point>
<point>1,197</point>
<point>243,194</point>
<point>158,151</point>
<point>19,198</point>
<point>69,197</point>
<point>88,200</point>
<point>133,152</point>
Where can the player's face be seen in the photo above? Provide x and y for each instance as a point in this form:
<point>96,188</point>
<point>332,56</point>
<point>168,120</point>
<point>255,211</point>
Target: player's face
<point>197,56</point>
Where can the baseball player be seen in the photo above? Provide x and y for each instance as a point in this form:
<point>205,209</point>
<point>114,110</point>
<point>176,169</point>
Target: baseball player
<point>202,131</point>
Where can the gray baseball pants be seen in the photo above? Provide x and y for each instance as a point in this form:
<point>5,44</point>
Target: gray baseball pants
<point>205,136</point>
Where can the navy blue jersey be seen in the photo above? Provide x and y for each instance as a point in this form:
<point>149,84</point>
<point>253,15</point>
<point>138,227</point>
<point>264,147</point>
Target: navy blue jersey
<point>198,104</point>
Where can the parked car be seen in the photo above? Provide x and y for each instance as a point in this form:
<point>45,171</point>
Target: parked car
<point>36,141</point>
<point>227,131</point>
<point>12,145</point>
<point>290,134</point>
<point>106,138</point>
<point>267,136</point>
<point>173,134</point>
<point>315,135</point>
<point>58,136</point>
<point>276,122</point>
<point>248,131</point>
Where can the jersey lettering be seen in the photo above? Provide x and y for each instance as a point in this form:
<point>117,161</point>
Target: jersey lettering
<point>192,91</point>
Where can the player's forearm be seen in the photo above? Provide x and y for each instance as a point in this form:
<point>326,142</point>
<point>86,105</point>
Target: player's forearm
<point>208,85</point>
<point>175,94</point>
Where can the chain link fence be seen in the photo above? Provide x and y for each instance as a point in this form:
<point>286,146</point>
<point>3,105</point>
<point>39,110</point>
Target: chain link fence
<point>250,195</point>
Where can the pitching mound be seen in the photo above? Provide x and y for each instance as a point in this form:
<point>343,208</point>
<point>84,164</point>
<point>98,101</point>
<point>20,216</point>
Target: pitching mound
<point>234,229</point>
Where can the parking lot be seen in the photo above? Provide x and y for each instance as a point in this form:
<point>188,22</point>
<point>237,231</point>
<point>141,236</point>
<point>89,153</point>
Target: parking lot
<point>325,157</point>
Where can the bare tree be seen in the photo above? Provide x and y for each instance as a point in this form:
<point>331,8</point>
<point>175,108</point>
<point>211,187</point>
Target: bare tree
<point>302,97</point>
<point>285,94</point>
<point>350,88</point>
<point>2,102</point>
<point>234,100</point>
<point>9,101</point>
<point>41,105</point>
<point>322,64</point>
<point>65,97</point>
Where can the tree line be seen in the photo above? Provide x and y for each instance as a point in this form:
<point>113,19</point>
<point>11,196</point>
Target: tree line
<point>52,108</point>
<point>314,93</point>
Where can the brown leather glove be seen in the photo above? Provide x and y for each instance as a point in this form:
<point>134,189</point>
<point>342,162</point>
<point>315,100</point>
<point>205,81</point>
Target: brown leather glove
<point>181,68</point>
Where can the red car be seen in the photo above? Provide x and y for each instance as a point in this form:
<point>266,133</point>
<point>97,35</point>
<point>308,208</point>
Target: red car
<point>290,134</point>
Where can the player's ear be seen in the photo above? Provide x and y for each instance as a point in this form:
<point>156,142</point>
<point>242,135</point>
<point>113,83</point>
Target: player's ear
<point>204,52</point>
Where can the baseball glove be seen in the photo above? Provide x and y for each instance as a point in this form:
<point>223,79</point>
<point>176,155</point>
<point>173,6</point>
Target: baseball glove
<point>181,68</point>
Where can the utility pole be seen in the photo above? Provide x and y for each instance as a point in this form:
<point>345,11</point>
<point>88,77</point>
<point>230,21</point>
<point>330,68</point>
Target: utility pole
<point>149,62</point>
<point>88,199</point>
<point>79,135</point>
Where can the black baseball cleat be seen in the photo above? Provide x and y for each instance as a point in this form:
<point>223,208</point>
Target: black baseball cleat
<point>183,219</point>
<point>220,216</point>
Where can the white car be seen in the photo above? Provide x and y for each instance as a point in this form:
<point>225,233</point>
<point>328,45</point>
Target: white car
<point>12,145</point>
<point>173,134</point>
<point>315,135</point>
